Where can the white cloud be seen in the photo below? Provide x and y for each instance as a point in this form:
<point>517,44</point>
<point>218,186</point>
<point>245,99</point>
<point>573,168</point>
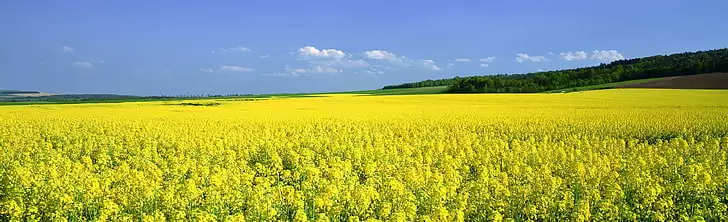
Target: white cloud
<point>384,55</point>
<point>313,52</point>
<point>573,56</point>
<point>353,63</point>
<point>83,64</point>
<point>312,70</point>
<point>380,55</point>
<point>232,49</point>
<point>606,55</point>
<point>599,55</point>
<point>298,70</point>
<point>292,72</point>
<point>326,61</point>
<point>324,69</point>
<point>374,71</point>
<point>264,56</point>
<point>462,60</point>
<point>488,59</point>
<point>226,68</point>
<point>341,63</point>
<point>67,49</point>
<point>429,64</point>
<point>523,57</point>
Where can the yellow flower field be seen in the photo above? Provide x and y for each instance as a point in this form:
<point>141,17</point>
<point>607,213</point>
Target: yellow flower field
<point>654,155</point>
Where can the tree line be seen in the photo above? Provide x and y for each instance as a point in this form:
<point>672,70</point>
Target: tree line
<point>687,63</point>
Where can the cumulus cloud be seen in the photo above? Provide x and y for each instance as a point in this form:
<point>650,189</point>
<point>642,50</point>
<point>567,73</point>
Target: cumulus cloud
<point>67,49</point>
<point>232,49</point>
<point>430,64</point>
<point>573,56</point>
<point>462,60</point>
<point>383,55</point>
<point>606,55</point>
<point>313,52</point>
<point>83,64</point>
<point>488,59</point>
<point>337,61</point>
<point>484,65</point>
<point>380,55</point>
<point>523,57</point>
<point>326,61</point>
<point>599,55</point>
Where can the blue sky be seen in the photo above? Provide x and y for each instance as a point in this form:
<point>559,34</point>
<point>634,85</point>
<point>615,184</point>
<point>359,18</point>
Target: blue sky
<point>221,47</point>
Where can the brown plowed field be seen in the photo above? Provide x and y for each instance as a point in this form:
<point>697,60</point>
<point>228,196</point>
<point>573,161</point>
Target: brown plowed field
<point>700,81</point>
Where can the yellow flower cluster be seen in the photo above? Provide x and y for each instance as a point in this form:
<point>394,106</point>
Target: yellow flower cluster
<point>649,155</point>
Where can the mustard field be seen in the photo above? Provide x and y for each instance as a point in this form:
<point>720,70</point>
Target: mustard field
<point>608,155</point>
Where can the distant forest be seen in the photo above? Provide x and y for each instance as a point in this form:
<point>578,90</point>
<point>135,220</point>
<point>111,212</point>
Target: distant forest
<point>622,70</point>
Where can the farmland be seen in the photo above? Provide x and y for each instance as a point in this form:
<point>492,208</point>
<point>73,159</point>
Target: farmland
<point>619,154</point>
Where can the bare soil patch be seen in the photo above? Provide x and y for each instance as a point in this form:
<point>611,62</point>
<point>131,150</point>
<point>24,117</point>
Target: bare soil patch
<point>699,81</point>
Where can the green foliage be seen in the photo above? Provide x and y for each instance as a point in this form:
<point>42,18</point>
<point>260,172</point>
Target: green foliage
<point>426,83</point>
<point>402,91</point>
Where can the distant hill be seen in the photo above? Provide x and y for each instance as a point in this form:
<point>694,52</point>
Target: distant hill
<point>6,94</point>
<point>680,64</point>
<point>36,96</point>
<point>22,97</point>
<point>12,92</point>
